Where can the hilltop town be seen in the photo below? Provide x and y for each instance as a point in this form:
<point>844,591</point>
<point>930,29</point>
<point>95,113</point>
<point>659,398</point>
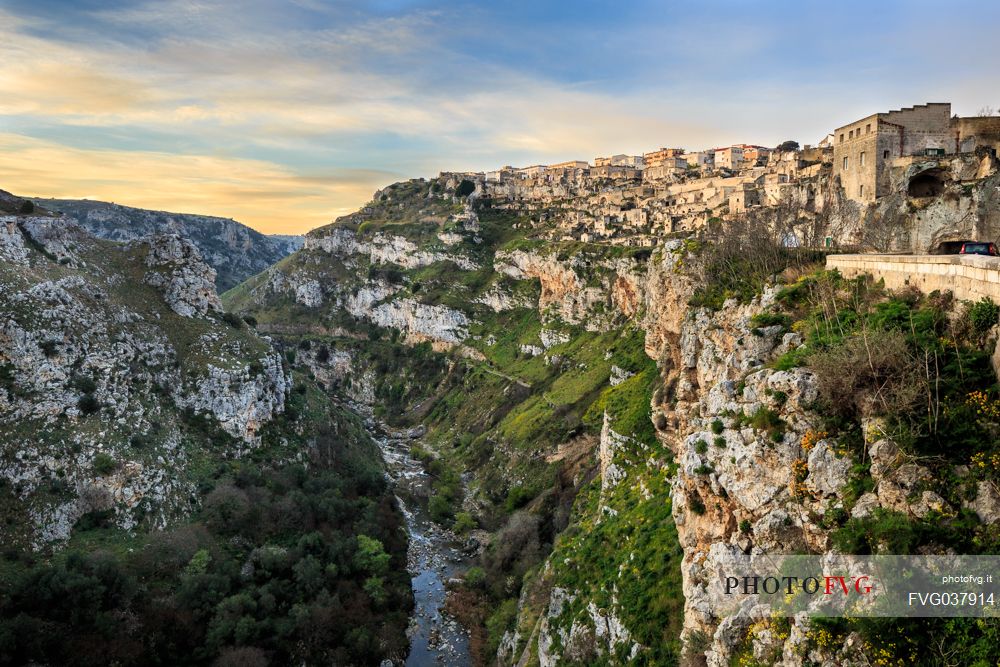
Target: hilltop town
<point>843,191</point>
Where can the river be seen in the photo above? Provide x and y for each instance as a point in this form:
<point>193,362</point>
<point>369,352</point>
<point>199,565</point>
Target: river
<point>434,557</point>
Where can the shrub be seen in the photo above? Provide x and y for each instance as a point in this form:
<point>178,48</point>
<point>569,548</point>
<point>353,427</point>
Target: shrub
<point>475,577</point>
<point>518,497</point>
<point>371,556</point>
<point>767,420</point>
<point>464,522</point>
<point>885,532</point>
<point>701,446</point>
<point>323,355</point>
<point>83,384</point>
<point>103,464</point>
<point>746,254</point>
<point>26,207</point>
<point>250,320</point>
<point>874,373</point>
<point>233,320</point>
<point>770,319</point>
<point>50,348</point>
<point>440,509</point>
<point>88,405</point>
<point>718,427</point>
<point>983,315</point>
<point>720,441</point>
<point>695,503</point>
<point>745,526</point>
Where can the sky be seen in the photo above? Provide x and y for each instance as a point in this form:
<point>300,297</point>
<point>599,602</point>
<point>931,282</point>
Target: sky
<point>287,114</point>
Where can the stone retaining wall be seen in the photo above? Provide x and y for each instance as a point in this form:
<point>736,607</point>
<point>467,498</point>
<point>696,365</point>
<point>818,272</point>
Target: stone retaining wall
<point>969,277</point>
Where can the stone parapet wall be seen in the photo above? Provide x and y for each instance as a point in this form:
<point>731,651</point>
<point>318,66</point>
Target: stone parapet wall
<point>968,277</point>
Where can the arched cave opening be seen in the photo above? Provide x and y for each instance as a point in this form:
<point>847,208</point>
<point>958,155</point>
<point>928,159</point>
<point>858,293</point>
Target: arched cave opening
<point>929,183</point>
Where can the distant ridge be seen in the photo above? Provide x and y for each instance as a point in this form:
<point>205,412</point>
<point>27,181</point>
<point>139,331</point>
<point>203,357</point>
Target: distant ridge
<point>234,250</point>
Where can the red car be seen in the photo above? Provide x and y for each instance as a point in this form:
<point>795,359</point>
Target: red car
<point>979,248</point>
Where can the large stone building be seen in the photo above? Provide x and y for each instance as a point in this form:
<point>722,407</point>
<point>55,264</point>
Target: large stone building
<point>701,159</point>
<point>730,157</point>
<point>622,160</point>
<point>656,157</point>
<point>864,151</point>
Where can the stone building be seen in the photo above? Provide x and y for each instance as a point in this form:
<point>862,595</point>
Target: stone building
<point>622,160</point>
<point>615,172</point>
<point>701,159</point>
<point>743,197</point>
<point>730,157</point>
<point>755,154</point>
<point>570,164</point>
<point>864,150</point>
<point>658,156</point>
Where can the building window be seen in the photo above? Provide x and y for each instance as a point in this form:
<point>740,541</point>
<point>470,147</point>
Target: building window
<point>885,155</point>
<point>861,161</point>
<point>868,128</point>
<point>850,134</point>
<point>845,163</point>
<point>841,137</point>
<point>861,190</point>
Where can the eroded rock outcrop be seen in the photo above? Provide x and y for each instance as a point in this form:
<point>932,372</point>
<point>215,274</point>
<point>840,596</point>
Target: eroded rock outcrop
<point>176,268</point>
<point>98,375</point>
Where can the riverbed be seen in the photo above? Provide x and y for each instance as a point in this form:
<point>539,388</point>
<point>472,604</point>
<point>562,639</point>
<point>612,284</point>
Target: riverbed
<point>434,556</point>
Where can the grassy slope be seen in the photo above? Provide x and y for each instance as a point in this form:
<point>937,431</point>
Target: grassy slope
<point>509,417</point>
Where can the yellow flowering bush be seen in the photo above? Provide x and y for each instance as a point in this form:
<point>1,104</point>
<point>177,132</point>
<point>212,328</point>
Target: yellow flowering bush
<point>810,439</point>
<point>984,464</point>
<point>798,486</point>
<point>985,407</point>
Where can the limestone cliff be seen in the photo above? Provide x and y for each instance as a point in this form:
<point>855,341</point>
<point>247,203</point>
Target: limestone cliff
<point>619,443</point>
<point>105,349</point>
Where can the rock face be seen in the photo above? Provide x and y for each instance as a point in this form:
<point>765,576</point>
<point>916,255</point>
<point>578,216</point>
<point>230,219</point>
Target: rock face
<point>241,400</point>
<point>738,458</point>
<point>188,284</point>
<point>235,251</point>
<point>384,249</point>
<point>101,377</point>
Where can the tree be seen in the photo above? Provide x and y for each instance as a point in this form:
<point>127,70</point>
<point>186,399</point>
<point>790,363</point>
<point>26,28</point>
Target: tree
<point>789,145</point>
<point>371,557</point>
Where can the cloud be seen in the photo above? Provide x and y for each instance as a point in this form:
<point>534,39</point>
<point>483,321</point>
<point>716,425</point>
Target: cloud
<point>225,98</point>
<point>269,197</point>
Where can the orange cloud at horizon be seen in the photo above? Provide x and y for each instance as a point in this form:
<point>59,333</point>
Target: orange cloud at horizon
<point>268,197</point>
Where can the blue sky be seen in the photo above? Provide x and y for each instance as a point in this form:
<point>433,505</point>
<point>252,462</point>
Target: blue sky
<point>287,114</point>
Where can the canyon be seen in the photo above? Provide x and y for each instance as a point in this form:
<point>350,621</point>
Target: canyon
<point>603,424</point>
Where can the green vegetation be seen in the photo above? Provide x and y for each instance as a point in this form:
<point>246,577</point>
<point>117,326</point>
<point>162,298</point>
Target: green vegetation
<point>104,464</point>
<point>525,423</point>
<point>88,405</point>
<point>983,315</point>
<point>744,256</point>
<point>278,555</point>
